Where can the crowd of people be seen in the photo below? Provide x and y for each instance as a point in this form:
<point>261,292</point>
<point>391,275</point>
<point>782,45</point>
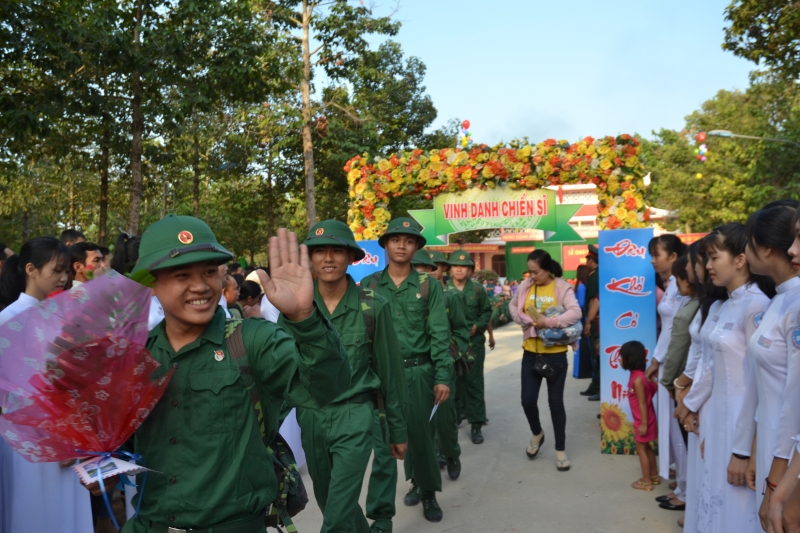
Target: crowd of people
<point>365,364</point>
<point>390,366</point>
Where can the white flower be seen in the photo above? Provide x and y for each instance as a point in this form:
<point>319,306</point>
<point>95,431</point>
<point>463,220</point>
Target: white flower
<point>15,326</point>
<point>105,380</point>
<point>80,354</point>
<point>101,395</point>
<point>10,435</point>
<point>139,369</point>
<point>31,362</point>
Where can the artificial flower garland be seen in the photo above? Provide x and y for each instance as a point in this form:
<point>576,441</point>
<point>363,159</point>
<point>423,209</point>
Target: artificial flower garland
<point>610,163</point>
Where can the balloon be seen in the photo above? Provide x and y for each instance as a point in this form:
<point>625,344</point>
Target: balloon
<point>703,147</point>
<point>703,159</point>
<point>699,157</point>
<point>701,137</point>
<point>697,150</point>
<point>465,124</point>
<point>699,176</point>
<point>469,134</point>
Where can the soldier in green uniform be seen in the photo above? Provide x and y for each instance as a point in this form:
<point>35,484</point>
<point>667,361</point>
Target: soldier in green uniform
<point>478,313</point>
<point>446,419</point>
<point>592,327</point>
<point>338,438</point>
<point>420,322</point>
<point>203,436</point>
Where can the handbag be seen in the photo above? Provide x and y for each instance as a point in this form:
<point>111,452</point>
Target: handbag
<point>545,368</point>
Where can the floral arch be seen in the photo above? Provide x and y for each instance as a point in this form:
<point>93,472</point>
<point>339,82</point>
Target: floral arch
<point>610,163</point>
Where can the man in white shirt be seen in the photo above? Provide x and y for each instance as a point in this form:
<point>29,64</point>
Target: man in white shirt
<point>86,258</point>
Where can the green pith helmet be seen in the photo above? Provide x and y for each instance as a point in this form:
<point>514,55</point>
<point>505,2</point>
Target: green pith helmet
<point>461,258</point>
<point>422,258</point>
<point>333,233</point>
<point>439,258</point>
<point>403,226</point>
<point>593,253</point>
<point>177,240</point>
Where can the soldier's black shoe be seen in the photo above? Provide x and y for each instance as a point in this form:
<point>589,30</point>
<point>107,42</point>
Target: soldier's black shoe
<point>453,467</point>
<point>588,392</point>
<point>430,507</point>
<point>441,460</point>
<point>412,497</point>
<point>477,437</point>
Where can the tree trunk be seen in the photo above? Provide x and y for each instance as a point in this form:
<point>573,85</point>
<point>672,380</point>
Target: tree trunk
<point>137,130</point>
<point>196,179</point>
<point>102,232</point>
<point>270,206</point>
<point>308,147</point>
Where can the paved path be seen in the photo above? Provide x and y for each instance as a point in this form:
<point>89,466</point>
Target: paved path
<point>500,489</point>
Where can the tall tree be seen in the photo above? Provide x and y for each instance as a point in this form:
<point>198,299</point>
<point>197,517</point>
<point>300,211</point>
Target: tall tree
<point>341,28</point>
<point>766,32</point>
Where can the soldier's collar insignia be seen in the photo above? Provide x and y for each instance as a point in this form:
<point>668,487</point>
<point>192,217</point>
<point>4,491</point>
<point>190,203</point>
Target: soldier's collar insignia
<point>219,355</point>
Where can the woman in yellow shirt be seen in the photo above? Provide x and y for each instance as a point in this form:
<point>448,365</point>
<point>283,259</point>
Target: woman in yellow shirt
<point>535,295</point>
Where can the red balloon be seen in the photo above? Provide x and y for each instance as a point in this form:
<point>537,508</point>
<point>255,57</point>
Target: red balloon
<point>701,137</point>
<point>465,124</point>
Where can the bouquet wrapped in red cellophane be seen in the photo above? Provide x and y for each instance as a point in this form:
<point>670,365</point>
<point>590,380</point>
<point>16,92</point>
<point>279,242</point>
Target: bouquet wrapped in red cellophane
<point>75,377</point>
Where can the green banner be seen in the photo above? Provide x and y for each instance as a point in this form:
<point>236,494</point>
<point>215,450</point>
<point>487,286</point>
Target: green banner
<point>477,209</point>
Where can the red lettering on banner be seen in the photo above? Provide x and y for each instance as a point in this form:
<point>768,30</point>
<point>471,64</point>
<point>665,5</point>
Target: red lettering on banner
<point>617,391</point>
<point>613,356</point>
<point>626,248</point>
<point>455,211</point>
<point>627,320</point>
<point>632,286</point>
<point>369,259</point>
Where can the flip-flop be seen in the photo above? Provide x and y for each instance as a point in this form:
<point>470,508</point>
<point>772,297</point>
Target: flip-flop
<point>639,484</point>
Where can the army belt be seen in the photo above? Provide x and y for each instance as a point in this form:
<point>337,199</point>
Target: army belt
<point>254,525</point>
<point>417,361</point>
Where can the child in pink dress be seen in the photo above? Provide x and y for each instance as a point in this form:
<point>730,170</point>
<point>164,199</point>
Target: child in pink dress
<point>640,394</point>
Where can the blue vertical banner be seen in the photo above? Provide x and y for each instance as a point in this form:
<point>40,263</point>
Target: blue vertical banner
<point>374,260</point>
<point>627,313</point>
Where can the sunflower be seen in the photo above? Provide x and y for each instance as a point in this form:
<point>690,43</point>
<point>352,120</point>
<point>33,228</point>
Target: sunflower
<point>614,423</point>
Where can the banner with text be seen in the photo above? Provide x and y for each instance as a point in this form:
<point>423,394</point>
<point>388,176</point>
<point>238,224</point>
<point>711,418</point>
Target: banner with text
<point>476,209</point>
<point>374,260</point>
<point>627,312</point>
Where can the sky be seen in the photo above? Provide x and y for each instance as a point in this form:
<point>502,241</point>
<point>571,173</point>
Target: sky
<point>569,69</point>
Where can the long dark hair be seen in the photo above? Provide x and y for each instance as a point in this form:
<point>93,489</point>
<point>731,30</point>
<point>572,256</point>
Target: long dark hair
<point>709,293</point>
<point>126,252</point>
<point>732,237</point>
<point>771,226</point>
<point>633,356</point>
<point>38,251</point>
<point>581,275</point>
<point>545,261</point>
<point>669,242</point>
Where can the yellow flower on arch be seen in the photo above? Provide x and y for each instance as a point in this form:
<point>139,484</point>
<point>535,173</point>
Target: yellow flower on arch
<point>368,234</point>
<point>353,175</point>
<point>369,196</point>
<point>360,188</point>
<point>384,165</point>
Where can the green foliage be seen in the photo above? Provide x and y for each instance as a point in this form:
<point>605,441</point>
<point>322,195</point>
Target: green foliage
<point>740,175</point>
<point>767,33</point>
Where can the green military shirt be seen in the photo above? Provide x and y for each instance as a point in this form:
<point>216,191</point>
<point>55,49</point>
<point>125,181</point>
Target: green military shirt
<point>459,330</point>
<point>386,371</point>
<point>418,337</point>
<point>203,437</point>
<point>478,310</point>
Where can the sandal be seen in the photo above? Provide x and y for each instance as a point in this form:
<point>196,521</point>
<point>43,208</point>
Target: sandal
<point>533,449</point>
<point>656,480</point>
<point>639,484</point>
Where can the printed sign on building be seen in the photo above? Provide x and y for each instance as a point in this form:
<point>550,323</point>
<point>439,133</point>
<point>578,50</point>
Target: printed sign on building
<point>627,312</point>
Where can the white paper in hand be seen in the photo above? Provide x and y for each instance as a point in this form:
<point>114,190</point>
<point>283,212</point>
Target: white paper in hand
<point>435,407</point>
<point>109,467</point>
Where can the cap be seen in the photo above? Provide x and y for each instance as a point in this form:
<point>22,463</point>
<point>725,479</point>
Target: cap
<point>177,240</point>
<point>403,226</point>
<point>333,233</point>
<point>439,258</point>
<point>461,258</point>
<point>593,253</point>
<point>421,257</point>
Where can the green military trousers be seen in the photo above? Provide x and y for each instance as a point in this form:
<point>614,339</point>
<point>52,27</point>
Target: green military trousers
<point>445,423</point>
<point>470,386</point>
<point>337,440</point>
<point>421,455</point>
